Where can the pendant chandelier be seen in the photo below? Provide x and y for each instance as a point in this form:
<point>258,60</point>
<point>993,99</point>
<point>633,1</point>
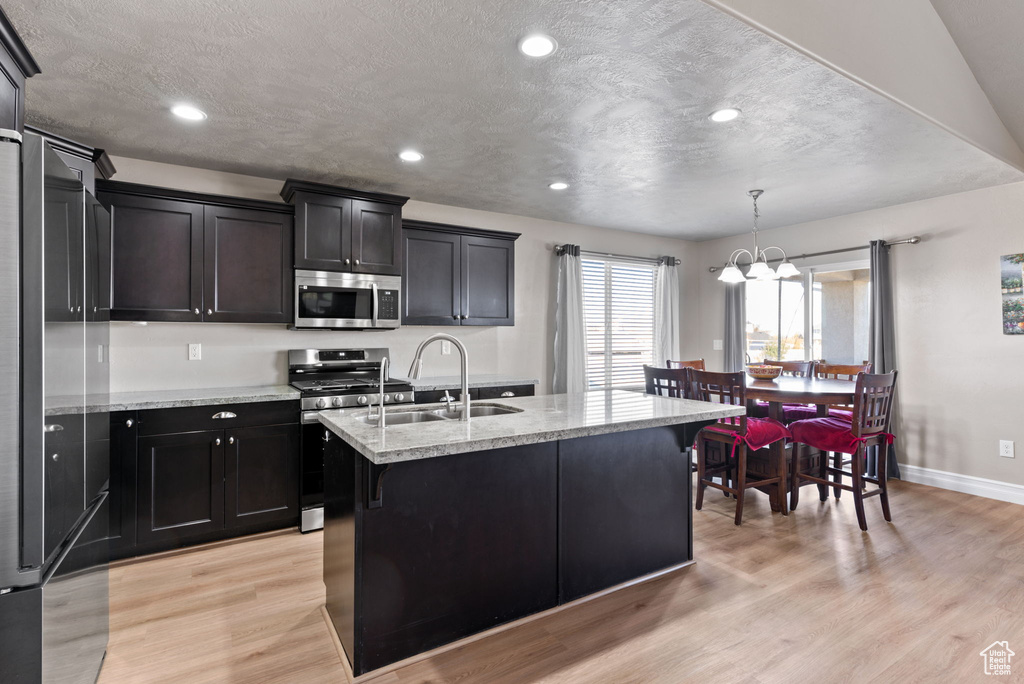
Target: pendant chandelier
<point>759,268</point>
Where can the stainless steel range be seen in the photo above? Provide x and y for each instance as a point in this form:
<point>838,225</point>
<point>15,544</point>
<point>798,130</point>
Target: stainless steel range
<point>333,378</point>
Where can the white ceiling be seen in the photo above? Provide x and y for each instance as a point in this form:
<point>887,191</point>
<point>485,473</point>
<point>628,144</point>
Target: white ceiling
<point>331,91</point>
<point>989,34</point>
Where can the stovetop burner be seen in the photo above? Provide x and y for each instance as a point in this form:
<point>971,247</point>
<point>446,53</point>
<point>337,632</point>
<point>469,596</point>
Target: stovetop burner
<point>343,384</point>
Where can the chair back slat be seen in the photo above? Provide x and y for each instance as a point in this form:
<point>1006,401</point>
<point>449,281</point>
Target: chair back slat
<point>722,388</point>
<point>835,371</point>
<point>798,369</point>
<point>872,403</point>
<point>667,382</point>
<point>696,363</point>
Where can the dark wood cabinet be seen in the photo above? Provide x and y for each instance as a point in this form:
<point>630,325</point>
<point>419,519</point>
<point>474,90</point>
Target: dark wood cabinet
<point>181,492</point>
<point>339,229</point>
<point>124,435</point>
<point>88,163</point>
<point>179,256</point>
<point>247,266</point>
<point>16,65</point>
<point>454,275</point>
<point>499,392</point>
<point>261,475</point>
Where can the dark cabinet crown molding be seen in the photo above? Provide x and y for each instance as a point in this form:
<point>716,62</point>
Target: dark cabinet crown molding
<point>73,147</point>
<point>459,230</point>
<point>140,190</point>
<point>19,52</point>
<point>292,185</point>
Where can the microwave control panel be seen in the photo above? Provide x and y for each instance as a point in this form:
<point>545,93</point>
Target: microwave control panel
<point>387,304</point>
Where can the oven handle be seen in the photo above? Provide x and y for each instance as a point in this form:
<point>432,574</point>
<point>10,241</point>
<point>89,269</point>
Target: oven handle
<point>309,417</point>
<point>374,287</point>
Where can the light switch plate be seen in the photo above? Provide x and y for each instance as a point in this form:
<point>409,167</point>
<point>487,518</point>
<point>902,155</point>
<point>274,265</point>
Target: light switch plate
<point>717,345</point>
<point>195,352</point>
<point>1006,448</point>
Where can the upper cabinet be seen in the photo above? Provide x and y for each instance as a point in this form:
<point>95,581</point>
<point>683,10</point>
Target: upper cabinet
<point>338,229</point>
<point>457,276</point>
<point>179,256</point>
<point>88,163</point>
<point>16,65</point>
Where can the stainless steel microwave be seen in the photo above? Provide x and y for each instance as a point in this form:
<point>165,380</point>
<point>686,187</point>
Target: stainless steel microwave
<point>352,301</point>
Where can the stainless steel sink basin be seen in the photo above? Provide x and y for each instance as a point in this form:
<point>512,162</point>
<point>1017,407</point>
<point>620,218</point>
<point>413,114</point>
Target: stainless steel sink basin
<point>476,411</point>
<point>403,418</point>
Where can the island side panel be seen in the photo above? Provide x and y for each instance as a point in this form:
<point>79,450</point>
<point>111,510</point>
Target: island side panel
<point>459,544</point>
<point>340,495</point>
<point>625,507</point>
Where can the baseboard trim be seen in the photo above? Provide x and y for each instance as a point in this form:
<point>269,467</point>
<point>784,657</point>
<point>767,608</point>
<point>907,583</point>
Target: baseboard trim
<point>967,484</point>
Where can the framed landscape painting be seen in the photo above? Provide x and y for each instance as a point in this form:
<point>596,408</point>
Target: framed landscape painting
<point>1012,273</point>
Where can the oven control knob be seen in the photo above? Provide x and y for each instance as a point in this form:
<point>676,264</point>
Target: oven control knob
<point>336,401</point>
<point>362,399</point>
<point>321,403</point>
<point>387,398</point>
<point>399,397</point>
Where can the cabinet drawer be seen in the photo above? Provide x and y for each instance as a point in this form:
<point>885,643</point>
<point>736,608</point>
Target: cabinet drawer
<point>500,392</point>
<point>196,418</point>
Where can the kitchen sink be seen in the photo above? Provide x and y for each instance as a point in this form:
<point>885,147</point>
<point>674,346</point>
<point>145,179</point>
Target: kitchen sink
<point>403,418</point>
<point>476,411</point>
<point>431,415</point>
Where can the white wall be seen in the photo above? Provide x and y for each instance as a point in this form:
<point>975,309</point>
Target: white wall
<point>961,380</point>
<point>155,356</point>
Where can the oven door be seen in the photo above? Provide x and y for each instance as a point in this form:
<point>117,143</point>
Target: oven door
<point>346,300</point>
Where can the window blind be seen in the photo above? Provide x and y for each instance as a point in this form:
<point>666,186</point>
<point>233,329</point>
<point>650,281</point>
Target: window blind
<point>618,309</point>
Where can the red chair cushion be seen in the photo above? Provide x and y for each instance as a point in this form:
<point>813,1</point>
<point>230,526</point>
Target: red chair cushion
<point>842,414</point>
<point>794,412</point>
<point>760,433</point>
<point>829,434</point>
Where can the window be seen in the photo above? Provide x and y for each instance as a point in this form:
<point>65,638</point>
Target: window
<point>835,318</point>
<point>618,308</point>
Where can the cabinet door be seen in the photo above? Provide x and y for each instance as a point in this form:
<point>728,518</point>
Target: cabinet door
<point>157,258</point>
<point>124,433</point>
<point>323,226</point>
<point>247,266</point>
<point>181,486</point>
<point>376,238</point>
<point>261,475</point>
<point>431,288</point>
<point>488,281</point>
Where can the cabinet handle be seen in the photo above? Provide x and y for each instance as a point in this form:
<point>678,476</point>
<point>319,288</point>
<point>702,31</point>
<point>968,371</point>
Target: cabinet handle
<point>463,316</point>
<point>508,394</point>
<point>357,262</point>
<point>129,422</point>
<point>55,457</point>
<point>197,312</point>
<point>216,442</point>
<point>53,427</point>
<point>224,414</point>
<point>231,440</point>
<point>348,261</point>
<point>455,316</point>
<point>209,312</point>
<point>327,435</point>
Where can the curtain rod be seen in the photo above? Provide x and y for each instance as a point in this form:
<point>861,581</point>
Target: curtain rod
<point>909,241</point>
<point>561,249</point>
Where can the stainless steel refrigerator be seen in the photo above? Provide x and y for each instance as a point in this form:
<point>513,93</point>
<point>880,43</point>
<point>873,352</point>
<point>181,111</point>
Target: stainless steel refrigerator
<point>54,425</point>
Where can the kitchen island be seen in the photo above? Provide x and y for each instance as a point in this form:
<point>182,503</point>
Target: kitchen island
<point>440,529</point>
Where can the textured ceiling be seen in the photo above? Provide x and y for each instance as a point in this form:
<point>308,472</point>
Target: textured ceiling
<point>331,91</point>
<point>989,36</point>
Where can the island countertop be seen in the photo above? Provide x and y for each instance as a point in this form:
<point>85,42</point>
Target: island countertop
<point>541,419</point>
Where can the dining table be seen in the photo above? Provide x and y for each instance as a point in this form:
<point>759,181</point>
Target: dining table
<point>788,389</point>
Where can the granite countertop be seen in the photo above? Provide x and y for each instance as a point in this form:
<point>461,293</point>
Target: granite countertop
<point>542,419</point>
<point>159,399</point>
<point>450,382</point>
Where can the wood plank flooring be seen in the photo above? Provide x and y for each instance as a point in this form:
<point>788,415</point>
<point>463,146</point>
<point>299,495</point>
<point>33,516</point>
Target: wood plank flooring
<point>806,597</point>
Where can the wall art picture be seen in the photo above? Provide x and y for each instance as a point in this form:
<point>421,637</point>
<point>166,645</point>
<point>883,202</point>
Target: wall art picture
<point>1012,273</point>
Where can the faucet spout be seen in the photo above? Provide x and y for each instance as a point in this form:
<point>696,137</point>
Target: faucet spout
<point>384,363</point>
<point>417,365</point>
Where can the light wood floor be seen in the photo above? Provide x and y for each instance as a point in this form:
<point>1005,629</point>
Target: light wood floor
<point>803,598</point>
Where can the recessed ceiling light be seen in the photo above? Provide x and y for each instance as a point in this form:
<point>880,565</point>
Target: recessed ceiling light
<point>558,186</point>
<point>410,156</point>
<point>723,115</point>
<point>188,112</point>
<point>537,45</point>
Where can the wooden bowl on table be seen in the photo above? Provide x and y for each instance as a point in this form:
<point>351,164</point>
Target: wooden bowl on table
<point>760,371</point>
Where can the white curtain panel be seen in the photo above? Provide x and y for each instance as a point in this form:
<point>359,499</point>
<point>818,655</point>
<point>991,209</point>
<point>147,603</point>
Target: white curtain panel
<point>570,328</point>
<point>666,312</point>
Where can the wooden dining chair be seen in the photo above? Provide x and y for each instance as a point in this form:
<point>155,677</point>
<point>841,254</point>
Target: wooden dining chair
<point>797,369</point>
<point>734,437</point>
<point>872,411</point>
<point>696,363</point>
<point>667,382</point>
<point>835,371</point>
<point>790,412</point>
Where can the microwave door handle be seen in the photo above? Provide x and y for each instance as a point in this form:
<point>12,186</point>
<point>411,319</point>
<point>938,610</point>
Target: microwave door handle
<point>374,288</point>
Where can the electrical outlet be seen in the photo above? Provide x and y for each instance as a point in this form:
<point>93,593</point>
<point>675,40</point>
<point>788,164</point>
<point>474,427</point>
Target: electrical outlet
<point>717,345</point>
<point>195,352</point>
<point>446,347</point>
<point>1006,448</point>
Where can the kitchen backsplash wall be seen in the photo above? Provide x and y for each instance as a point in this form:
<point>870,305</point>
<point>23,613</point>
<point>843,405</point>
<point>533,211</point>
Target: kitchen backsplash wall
<point>155,356</point>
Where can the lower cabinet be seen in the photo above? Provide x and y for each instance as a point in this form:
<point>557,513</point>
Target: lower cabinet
<point>187,486</point>
<point>502,392</point>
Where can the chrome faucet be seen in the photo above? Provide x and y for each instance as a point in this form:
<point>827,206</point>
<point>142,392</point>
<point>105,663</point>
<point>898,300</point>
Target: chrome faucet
<point>417,366</point>
<point>384,364</point>
<point>448,400</point>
